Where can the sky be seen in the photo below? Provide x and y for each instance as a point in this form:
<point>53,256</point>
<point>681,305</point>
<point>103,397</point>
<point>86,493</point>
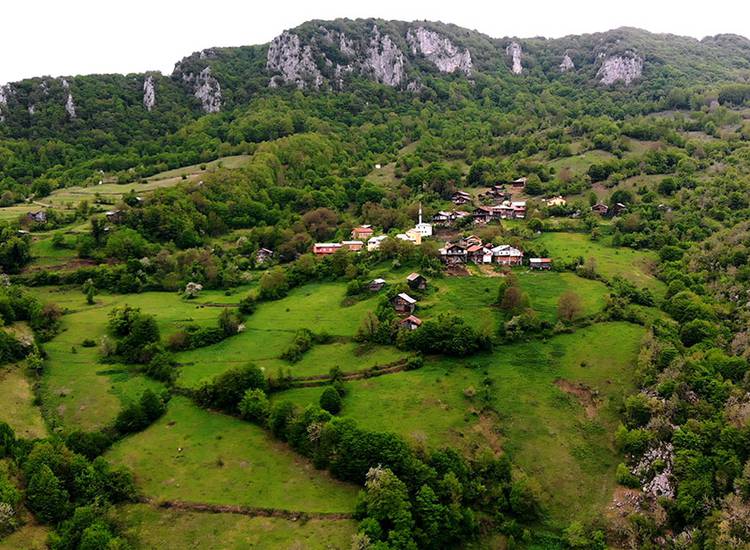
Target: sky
<point>69,37</point>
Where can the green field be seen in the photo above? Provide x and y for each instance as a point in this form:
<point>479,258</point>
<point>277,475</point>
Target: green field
<point>198,456</point>
<point>634,265</point>
<point>270,330</point>
<point>158,528</point>
<point>77,388</point>
<point>576,469</point>
<point>28,537</point>
<point>16,404</point>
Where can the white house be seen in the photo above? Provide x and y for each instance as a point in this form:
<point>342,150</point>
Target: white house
<point>373,243</point>
<point>423,228</point>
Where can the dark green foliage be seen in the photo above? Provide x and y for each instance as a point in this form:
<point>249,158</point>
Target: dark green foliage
<point>135,333</point>
<point>255,406</point>
<point>303,341</point>
<point>448,335</point>
<point>46,496</point>
<point>227,389</point>
<point>88,444</point>
<point>139,415</point>
<point>330,400</point>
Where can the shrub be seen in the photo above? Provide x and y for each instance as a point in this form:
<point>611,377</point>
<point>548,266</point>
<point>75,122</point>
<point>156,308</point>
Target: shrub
<point>302,342</point>
<point>226,390</point>
<point>255,406</point>
<point>330,400</point>
<point>626,478</point>
<point>46,496</point>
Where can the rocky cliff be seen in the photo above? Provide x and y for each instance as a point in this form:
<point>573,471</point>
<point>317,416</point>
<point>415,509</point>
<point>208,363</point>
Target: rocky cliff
<point>625,68</point>
<point>513,50</point>
<point>149,93</point>
<point>443,53</point>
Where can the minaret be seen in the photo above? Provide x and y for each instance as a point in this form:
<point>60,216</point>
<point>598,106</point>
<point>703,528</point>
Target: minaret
<point>420,213</point>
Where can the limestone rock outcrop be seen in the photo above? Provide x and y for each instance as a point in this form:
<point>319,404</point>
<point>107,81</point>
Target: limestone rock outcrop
<point>149,93</point>
<point>384,60</point>
<point>567,64</point>
<point>206,89</point>
<point>514,51</point>
<point>295,63</point>
<point>620,68</point>
<point>70,106</point>
<point>445,55</point>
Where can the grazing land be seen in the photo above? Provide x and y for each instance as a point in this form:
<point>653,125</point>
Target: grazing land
<point>197,456</point>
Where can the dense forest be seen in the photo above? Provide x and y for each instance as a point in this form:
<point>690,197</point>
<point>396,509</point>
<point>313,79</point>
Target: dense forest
<point>325,144</point>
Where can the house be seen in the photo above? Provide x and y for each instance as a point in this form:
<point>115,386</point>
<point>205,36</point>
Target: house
<point>471,240</point>
<point>37,217</point>
<point>556,201</point>
<point>479,254</point>
<point>373,243</point>
<point>403,303</point>
<point>619,208</point>
<point>113,216</point>
<point>518,209</point>
<point>483,214</point>
<point>362,233</point>
<point>416,281</point>
<point>263,255</point>
<point>519,184</point>
<point>352,246</point>
<point>443,218</point>
<point>600,208</point>
<point>410,236</point>
<point>376,285</point>
<point>505,254</point>
<point>540,263</point>
<point>453,253</point>
<point>323,249</point>
<point>411,322</point>
<point>461,197</point>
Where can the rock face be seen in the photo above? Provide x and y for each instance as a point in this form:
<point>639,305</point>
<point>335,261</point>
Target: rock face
<point>149,93</point>
<point>70,106</point>
<point>515,53</point>
<point>205,88</point>
<point>439,50</point>
<point>567,64</point>
<point>295,62</point>
<point>624,68</point>
<point>385,61</point>
<point>5,92</point>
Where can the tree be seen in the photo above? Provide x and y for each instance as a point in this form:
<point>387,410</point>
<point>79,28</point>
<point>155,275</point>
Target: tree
<point>330,400</point>
<point>512,301</point>
<point>255,406</point>
<point>89,290</point>
<point>273,284</point>
<point>569,306</point>
<point>46,496</point>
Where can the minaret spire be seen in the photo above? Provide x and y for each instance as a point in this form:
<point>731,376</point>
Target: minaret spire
<point>420,213</point>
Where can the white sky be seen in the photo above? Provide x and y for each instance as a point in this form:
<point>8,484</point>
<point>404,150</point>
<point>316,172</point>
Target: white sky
<point>67,37</point>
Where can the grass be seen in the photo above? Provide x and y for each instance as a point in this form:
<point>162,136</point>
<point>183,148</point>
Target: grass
<point>634,265</point>
<point>17,404</point>
<point>194,455</point>
<point>159,528</point>
<point>545,288</point>
<point>579,164</point>
<point>28,537</point>
<point>271,329</point>
<point>545,431</point>
<point>79,390</point>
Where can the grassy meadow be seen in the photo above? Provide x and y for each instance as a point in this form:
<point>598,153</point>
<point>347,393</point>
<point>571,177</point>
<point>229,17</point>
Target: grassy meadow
<point>634,265</point>
<point>430,406</point>
<point>163,528</point>
<point>198,456</point>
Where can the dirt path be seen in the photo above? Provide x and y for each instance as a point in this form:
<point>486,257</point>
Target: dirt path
<point>243,510</point>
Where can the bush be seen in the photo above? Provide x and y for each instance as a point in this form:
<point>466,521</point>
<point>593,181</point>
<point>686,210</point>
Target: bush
<point>447,334</point>
<point>302,342</point>
<point>330,400</point>
<point>626,478</point>
<point>88,343</point>
<point>255,406</point>
<point>46,496</point>
<point>227,389</point>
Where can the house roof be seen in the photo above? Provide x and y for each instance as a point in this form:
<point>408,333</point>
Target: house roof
<point>406,298</point>
<point>414,277</point>
<point>327,245</point>
<point>412,319</point>
<point>351,242</point>
<point>265,250</point>
<point>540,260</point>
<point>475,248</point>
<point>378,281</point>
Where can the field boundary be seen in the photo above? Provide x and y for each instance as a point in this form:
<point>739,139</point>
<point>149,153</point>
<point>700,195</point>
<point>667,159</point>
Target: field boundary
<point>252,511</point>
